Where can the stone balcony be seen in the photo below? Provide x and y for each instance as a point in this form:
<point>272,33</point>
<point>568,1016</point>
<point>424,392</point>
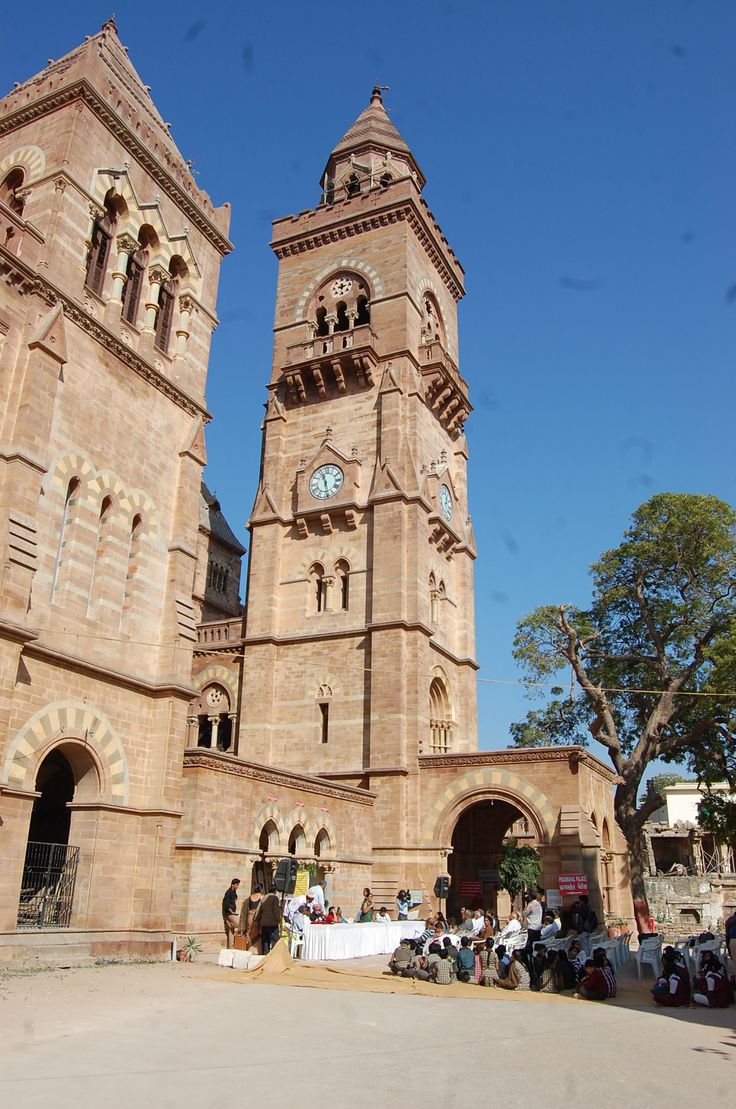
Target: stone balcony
<point>329,364</point>
<point>445,390</point>
<point>220,633</point>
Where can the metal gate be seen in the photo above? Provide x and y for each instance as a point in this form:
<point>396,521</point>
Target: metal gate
<point>47,891</point>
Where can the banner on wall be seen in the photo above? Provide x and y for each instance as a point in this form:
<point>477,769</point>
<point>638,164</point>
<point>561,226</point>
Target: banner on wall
<point>554,899</point>
<point>573,883</point>
<point>302,881</point>
<point>471,889</point>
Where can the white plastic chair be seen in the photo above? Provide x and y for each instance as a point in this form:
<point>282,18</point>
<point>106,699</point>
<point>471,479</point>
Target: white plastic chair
<point>694,953</point>
<point>625,949</point>
<point>649,954</point>
<point>296,942</point>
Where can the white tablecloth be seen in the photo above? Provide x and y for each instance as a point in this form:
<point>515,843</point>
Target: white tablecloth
<point>350,941</point>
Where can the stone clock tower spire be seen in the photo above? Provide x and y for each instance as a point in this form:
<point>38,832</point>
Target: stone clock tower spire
<point>360,633</point>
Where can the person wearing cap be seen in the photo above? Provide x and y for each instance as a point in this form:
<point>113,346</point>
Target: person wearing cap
<point>402,956</point>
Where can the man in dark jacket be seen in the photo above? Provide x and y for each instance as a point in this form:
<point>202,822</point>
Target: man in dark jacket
<point>270,918</point>
<point>230,912</point>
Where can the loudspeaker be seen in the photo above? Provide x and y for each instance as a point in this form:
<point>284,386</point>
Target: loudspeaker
<point>442,887</point>
<point>285,877</point>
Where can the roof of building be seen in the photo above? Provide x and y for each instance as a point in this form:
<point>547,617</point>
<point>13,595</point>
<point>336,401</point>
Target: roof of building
<point>373,128</point>
<point>212,520</point>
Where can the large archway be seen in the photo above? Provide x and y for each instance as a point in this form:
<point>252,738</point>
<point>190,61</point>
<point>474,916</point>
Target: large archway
<point>477,842</point>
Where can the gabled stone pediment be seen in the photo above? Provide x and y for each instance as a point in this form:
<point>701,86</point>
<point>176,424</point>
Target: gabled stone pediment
<point>50,335</point>
<point>384,481</point>
<point>264,507</point>
<point>328,455</point>
<point>194,444</point>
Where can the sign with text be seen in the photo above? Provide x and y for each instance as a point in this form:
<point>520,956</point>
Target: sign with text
<point>471,889</point>
<point>573,883</point>
<point>554,899</point>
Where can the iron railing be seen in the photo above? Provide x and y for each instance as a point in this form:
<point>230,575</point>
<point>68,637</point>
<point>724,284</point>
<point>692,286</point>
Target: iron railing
<point>47,890</point>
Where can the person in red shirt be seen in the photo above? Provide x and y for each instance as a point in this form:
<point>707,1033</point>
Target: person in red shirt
<point>599,982</point>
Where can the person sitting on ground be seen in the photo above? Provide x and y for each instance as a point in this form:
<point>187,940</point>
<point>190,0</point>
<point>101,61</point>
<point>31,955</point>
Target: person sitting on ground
<point>547,981</point>
<point>401,958</point>
<point>488,964</point>
<point>449,947</point>
<point>672,988</point>
<point>511,928</point>
<point>566,977</point>
<point>537,963</point>
<point>551,925</point>
<point>577,957</point>
<point>599,982</point>
<point>712,987</point>
<point>382,916</point>
<point>517,977</point>
<point>442,971</point>
<point>504,960</point>
<point>434,953</point>
<point>465,960</point>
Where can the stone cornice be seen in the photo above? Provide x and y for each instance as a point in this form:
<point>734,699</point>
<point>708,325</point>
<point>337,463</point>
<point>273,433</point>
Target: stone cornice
<point>32,283</point>
<point>203,758</point>
<point>130,810</point>
<point>17,632</point>
<point>130,681</point>
<point>369,772</point>
<point>82,90</point>
<point>509,755</point>
<point>283,640</point>
<point>230,849</point>
<point>459,661</point>
<point>370,220</point>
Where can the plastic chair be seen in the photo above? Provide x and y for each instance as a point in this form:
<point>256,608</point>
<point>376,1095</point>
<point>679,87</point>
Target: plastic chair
<point>649,954</point>
<point>694,953</point>
<point>296,941</point>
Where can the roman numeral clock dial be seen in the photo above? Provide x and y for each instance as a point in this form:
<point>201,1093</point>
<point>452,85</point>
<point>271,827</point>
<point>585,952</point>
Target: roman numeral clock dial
<point>326,482</point>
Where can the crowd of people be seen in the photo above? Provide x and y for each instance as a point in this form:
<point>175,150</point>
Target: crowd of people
<point>711,988</point>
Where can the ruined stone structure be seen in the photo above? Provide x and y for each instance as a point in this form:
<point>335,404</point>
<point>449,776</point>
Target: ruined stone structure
<point>158,741</point>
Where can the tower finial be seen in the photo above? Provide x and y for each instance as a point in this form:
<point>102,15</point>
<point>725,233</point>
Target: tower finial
<point>110,24</point>
<point>377,94</point>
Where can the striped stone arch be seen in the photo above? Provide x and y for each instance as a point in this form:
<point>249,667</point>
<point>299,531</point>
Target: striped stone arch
<point>300,816</point>
<point>338,264</point>
<point>478,783</point>
<point>30,158</point>
<point>106,483</point>
<point>63,722</point>
<point>323,821</point>
<point>138,503</point>
<point>73,463</point>
<point>268,812</point>
<point>427,285</point>
<point>222,676</point>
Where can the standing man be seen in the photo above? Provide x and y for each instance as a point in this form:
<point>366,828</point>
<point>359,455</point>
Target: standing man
<point>532,914</point>
<point>230,912</point>
<point>270,917</point>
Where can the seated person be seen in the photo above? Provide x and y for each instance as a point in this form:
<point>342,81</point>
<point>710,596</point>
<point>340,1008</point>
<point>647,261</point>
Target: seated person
<point>433,956</point>
<point>437,935</point>
<point>401,958</point>
<point>537,963</point>
<point>465,960</point>
<point>301,917</point>
<point>428,932</point>
<point>673,987</point>
<point>577,957</point>
<point>566,976</point>
<point>547,981</point>
<point>551,926</point>
<point>479,922</point>
<point>488,964</point>
<point>511,928</point>
<point>486,932</point>
<point>382,916</point>
<point>443,972</point>
<point>712,987</point>
<point>599,982</point>
<point>451,925</point>
<point>517,977</point>
<point>449,947</point>
<point>504,960</point>
<point>466,921</point>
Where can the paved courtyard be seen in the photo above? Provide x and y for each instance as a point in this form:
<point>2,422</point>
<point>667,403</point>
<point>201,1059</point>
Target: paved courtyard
<point>172,1035</point>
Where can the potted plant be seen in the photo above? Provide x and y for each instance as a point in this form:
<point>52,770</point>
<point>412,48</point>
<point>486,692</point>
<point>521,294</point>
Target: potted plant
<point>189,950</point>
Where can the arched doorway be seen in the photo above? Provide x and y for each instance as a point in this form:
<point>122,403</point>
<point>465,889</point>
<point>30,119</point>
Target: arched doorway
<point>50,867</point>
<point>477,842</point>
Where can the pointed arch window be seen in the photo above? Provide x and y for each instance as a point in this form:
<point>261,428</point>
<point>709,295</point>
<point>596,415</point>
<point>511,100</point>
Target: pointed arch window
<point>133,285</point>
<point>102,551</point>
<point>341,311</point>
<point>98,257</point>
<point>342,572</point>
<point>297,841</point>
<point>318,587</point>
<point>134,557</point>
<point>363,312</point>
<point>352,185</point>
<point>10,191</point>
<point>440,723</point>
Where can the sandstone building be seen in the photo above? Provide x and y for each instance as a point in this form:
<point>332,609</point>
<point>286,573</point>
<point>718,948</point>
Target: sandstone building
<point>153,740</point>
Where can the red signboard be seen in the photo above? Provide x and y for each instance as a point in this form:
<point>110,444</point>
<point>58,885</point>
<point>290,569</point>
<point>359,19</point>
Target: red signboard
<point>573,883</point>
<point>471,889</point>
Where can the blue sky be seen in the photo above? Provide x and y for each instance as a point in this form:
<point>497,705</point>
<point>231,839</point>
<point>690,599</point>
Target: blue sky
<point>580,160</point>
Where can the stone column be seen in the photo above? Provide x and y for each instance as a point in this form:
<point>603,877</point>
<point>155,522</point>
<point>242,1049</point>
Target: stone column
<point>157,276</point>
<point>186,308</point>
<point>331,322</point>
<point>215,722</point>
<point>192,731</point>
<point>126,245</point>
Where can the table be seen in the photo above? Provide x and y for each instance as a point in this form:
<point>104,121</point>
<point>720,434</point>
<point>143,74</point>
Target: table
<point>351,941</point>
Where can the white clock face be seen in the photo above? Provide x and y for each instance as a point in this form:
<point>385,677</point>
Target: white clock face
<point>341,286</point>
<point>445,502</point>
<point>326,482</point>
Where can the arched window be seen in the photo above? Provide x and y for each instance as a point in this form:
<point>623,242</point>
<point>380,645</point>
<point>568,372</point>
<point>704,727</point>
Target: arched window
<point>319,587</point>
<point>341,311</point>
<point>297,841</point>
<point>135,269</point>
<point>342,572</point>
<point>215,719</point>
<point>364,312</point>
<point>269,837</point>
<point>102,551</point>
<point>386,179</point>
<point>431,324</point>
<point>167,302</point>
<point>352,185</point>
<point>322,844</point>
<point>134,555</point>
<point>433,600</point>
<point>440,723</point>
<point>9,190</point>
<point>322,328</point>
<point>99,252</point>
<point>70,505</point>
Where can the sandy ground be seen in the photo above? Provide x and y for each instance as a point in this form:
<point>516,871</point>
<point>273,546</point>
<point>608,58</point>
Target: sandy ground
<point>177,1035</point>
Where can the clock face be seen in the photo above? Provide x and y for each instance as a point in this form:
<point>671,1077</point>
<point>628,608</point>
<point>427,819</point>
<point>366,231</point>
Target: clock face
<point>445,502</point>
<point>326,482</point>
<point>341,286</point>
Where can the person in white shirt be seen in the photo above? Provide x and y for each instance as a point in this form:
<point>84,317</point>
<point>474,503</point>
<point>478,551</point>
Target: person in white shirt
<point>317,893</point>
<point>551,926</point>
<point>479,922</point>
<point>511,928</point>
<point>382,916</point>
<point>532,916</point>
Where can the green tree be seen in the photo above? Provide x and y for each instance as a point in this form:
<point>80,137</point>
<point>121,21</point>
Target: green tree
<point>518,868</point>
<point>653,658</point>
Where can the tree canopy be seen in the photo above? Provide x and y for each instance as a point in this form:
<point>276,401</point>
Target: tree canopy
<point>653,657</point>
<point>518,868</point>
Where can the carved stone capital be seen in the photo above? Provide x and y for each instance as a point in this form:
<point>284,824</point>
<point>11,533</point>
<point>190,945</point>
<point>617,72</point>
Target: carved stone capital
<point>127,244</point>
<point>96,210</point>
<point>157,275</point>
<point>186,303</point>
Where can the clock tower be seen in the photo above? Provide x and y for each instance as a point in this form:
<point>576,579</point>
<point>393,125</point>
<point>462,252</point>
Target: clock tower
<point>360,636</point>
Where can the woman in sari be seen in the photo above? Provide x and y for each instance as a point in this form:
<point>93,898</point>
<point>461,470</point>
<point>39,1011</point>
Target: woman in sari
<point>366,907</point>
<point>250,924</point>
